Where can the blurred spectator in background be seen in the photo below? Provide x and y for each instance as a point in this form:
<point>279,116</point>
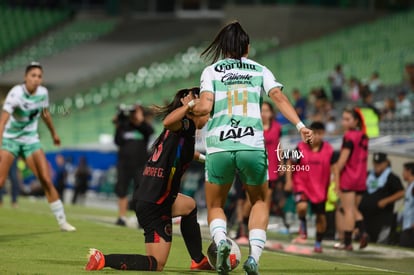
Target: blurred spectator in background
<point>82,177</point>
<point>384,188</point>
<point>409,76</point>
<point>354,89</point>
<point>374,83</point>
<point>320,101</point>
<point>15,180</point>
<point>331,127</point>
<point>388,112</point>
<point>407,235</point>
<point>300,104</point>
<point>60,176</point>
<point>131,135</point>
<point>337,82</point>
<point>370,113</point>
<point>403,105</point>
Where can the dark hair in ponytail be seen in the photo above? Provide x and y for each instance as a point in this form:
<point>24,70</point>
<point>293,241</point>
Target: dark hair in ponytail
<point>357,115</point>
<point>232,41</point>
<point>176,102</point>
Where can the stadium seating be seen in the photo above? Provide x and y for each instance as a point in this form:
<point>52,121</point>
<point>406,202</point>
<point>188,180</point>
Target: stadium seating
<point>383,45</point>
<point>70,35</point>
<point>18,25</point>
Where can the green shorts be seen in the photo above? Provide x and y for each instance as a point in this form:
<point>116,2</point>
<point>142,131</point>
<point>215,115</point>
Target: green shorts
<point>20,149</point>
<point>252,166</point>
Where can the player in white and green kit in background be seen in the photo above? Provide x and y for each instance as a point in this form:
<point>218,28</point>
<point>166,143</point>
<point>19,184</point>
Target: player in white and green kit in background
<point>24,105</point>
<point>231,90</point>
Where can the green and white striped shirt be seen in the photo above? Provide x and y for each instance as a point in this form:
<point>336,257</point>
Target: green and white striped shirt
<point>235,122</point>
<point>24,109</point>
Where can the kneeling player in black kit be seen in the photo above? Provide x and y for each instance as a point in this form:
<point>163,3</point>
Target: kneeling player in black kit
<point>158,200</point>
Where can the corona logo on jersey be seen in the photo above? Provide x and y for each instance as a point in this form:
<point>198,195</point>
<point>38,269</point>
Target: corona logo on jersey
<point>222,68</point>
<point>234,257</point>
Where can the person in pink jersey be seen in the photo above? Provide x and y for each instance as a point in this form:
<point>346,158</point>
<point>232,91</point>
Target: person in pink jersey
<point>272,132</point>
<point>352,165</point>
<point>308,175</point>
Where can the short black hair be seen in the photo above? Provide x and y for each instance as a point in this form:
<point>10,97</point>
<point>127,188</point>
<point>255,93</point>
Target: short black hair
<point>317,125</point>
<point>410,167</point>
<point>33,65</point>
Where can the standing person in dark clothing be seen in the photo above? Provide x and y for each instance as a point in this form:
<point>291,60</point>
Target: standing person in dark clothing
<point>337,82</point>
<point>131,136</point>
<point>407,234</point>
<point>158,197</point>
<point>384,188</point>
<point>82,177</point>
<point>60,175</point>
<point>14,181</point>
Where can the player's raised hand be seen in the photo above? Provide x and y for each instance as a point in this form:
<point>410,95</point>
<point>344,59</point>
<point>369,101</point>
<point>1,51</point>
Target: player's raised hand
<point>307,135</point>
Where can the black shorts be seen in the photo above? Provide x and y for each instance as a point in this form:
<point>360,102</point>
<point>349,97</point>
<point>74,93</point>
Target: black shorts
<point>156,220</point>
<point>356,192</point>
<point>407,238</point>
<point>317,208</point>
<point>125,175</point>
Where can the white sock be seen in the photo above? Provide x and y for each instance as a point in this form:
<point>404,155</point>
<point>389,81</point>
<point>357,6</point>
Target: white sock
<point>58,211</point>
<point>257,239</point>
<point>218,230</point>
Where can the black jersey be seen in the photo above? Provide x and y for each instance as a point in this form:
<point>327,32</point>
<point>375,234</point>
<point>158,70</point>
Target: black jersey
<point>172,153</point>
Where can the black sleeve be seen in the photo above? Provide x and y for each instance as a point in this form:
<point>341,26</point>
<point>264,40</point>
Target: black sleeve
<point>346,143</point>
<point>395,184</point>
<point>119,132</point>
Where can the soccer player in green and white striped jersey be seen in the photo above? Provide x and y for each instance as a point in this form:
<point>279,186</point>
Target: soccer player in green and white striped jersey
<point>24,105</point>
<point>231,91</point>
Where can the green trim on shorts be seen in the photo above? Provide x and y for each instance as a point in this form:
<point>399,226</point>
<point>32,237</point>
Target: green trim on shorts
<point>20,149</point>
<point>251,164</point>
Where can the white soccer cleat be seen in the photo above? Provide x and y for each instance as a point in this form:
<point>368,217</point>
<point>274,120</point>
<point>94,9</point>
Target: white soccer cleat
<point>66,227</point>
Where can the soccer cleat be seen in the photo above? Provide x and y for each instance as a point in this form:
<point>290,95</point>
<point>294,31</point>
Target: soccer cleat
<point>66,227</point>
<point>96,260</point>
<point>203,265</point>
<point>317,249</point>
<point>223,260</point>
<point>120,222</point>
<point>342,246</point>
<point>363,240</point>
<point>250,266</point>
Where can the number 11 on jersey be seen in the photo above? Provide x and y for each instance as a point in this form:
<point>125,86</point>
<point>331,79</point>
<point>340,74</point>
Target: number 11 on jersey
<point>233,100</point>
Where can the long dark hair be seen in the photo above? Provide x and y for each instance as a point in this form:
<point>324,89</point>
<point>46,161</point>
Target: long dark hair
<point>176,102</point>
<point>232,41</point>
<point>357,115</point>
<point>165,110</point>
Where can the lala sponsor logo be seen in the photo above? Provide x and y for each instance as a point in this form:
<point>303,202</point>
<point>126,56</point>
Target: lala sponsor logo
<point>236,132</point>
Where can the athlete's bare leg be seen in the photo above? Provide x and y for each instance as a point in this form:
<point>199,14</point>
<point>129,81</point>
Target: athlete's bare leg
<point>37,162</point>
<point>6,161</point>
<point>259,213</point>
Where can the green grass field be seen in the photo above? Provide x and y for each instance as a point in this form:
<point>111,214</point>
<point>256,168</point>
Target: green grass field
<point>30,243</point>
